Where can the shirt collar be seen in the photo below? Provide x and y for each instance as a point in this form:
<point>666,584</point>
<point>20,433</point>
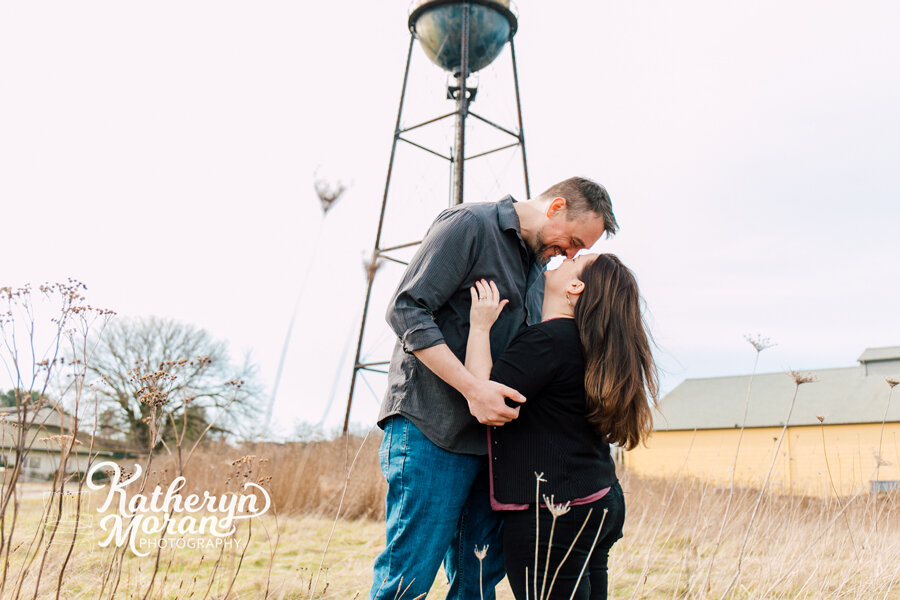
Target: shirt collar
<point>507,216</point>
<point>508,219</point>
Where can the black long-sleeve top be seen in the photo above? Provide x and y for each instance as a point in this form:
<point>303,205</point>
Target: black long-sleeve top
<point>552,436</point>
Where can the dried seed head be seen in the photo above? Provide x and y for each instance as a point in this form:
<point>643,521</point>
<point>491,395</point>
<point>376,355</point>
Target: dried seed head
<point>801,378</point>
<point>62,440</point>
<point>759,342</point>
<point>480,554</point>
<point>820,418</point>
<point>328,191</point>
<point>891,381</point>
<point>540,477</point>
<point>371,267</point>
<point>126,473</point>
<point>557,510</point>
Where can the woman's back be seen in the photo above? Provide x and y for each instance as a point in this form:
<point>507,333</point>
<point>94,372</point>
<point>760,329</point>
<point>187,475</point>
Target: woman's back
<point>552,434</point>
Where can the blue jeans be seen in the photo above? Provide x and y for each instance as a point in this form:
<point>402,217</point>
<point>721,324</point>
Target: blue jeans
<point>438,509</point>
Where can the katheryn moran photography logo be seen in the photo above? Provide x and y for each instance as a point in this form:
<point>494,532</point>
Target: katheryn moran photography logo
<point>168,519</point>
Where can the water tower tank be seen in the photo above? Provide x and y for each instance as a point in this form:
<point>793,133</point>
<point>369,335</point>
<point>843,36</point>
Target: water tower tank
<point>437,24</point>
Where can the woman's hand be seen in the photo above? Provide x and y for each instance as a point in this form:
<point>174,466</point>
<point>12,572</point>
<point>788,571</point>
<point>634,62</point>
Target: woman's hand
<point>486,305</point>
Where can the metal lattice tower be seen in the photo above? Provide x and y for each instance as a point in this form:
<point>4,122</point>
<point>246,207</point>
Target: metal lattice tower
<point>461,37</point>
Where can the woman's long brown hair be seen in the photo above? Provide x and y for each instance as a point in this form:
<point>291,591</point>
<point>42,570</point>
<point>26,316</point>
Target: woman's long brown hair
<point>620,376</point>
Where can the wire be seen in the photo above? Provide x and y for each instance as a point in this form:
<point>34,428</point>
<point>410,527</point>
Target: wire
<point>287,336</point>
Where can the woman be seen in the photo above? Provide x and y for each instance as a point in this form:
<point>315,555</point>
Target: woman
<point>587,374</point>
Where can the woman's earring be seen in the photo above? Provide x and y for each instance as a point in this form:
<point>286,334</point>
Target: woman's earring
<point>569,302</point>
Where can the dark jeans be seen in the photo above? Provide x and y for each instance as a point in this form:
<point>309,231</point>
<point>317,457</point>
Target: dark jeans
<point>519,544</point>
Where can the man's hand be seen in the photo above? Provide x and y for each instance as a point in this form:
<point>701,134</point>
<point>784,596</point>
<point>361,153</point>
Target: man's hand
<point>485,397</point>
<point>487,402</point>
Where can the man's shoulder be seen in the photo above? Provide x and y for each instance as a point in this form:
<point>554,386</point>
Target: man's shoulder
<point>483,213</point>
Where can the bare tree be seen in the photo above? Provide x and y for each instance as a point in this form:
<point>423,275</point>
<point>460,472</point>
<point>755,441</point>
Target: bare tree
<point>142,358</point>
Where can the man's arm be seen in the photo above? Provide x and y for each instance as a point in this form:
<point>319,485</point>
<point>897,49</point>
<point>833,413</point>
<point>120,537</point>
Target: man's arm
<point>437,270</point>
<point>485,397</point>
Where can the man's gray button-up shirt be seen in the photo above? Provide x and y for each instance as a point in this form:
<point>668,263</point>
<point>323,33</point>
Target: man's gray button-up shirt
<point>465,243</point>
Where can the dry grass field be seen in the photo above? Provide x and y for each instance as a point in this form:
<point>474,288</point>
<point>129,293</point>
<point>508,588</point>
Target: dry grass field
<point>796,547</point>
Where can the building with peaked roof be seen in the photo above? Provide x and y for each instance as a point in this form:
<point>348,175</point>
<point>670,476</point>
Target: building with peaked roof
<point>43,439</point>
<point>843,435</point>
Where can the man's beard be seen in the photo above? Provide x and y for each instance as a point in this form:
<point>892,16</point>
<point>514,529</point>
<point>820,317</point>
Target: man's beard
<point>540,249</point>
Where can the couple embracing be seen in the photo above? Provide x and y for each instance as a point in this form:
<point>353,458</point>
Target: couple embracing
<point>506,386</point>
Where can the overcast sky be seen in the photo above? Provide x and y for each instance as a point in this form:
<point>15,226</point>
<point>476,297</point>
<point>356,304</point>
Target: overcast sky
<point>163,153</point>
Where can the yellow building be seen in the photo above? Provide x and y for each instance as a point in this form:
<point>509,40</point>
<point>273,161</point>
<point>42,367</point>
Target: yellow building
<point>843,435</point>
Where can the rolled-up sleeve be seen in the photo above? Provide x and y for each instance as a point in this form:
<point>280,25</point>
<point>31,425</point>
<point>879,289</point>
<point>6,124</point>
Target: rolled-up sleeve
<point>437,270</point>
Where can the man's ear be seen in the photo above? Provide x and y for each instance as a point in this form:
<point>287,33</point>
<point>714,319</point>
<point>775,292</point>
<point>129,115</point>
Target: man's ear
<point>557,204</point>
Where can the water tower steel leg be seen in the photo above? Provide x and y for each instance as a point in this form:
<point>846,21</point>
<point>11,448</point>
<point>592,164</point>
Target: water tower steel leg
<point>462,106</point>
<point>512,51</point>
<point>376,251</point>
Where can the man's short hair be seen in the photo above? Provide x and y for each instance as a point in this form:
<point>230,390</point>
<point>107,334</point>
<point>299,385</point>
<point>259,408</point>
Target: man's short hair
<point>584,195</point>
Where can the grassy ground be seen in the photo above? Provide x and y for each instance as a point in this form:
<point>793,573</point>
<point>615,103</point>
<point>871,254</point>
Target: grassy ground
<point>187,572</point>
<point>664,554</point>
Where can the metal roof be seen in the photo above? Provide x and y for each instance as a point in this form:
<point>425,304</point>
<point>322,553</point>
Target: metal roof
<point>49,422</point>
<point>885,353</point>
<point>843,395</point>
<point>46,416</point>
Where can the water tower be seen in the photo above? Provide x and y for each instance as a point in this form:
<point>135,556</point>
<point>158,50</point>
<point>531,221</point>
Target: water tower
<point>460,37</point>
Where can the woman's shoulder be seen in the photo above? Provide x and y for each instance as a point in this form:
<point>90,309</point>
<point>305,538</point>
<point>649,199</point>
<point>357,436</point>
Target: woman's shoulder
<point>564,335</point>
<point>558,328</point>
<point>549,334</point>
<point>533,334</point>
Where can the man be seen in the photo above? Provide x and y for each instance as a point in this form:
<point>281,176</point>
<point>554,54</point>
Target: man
<point>434,413</point>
